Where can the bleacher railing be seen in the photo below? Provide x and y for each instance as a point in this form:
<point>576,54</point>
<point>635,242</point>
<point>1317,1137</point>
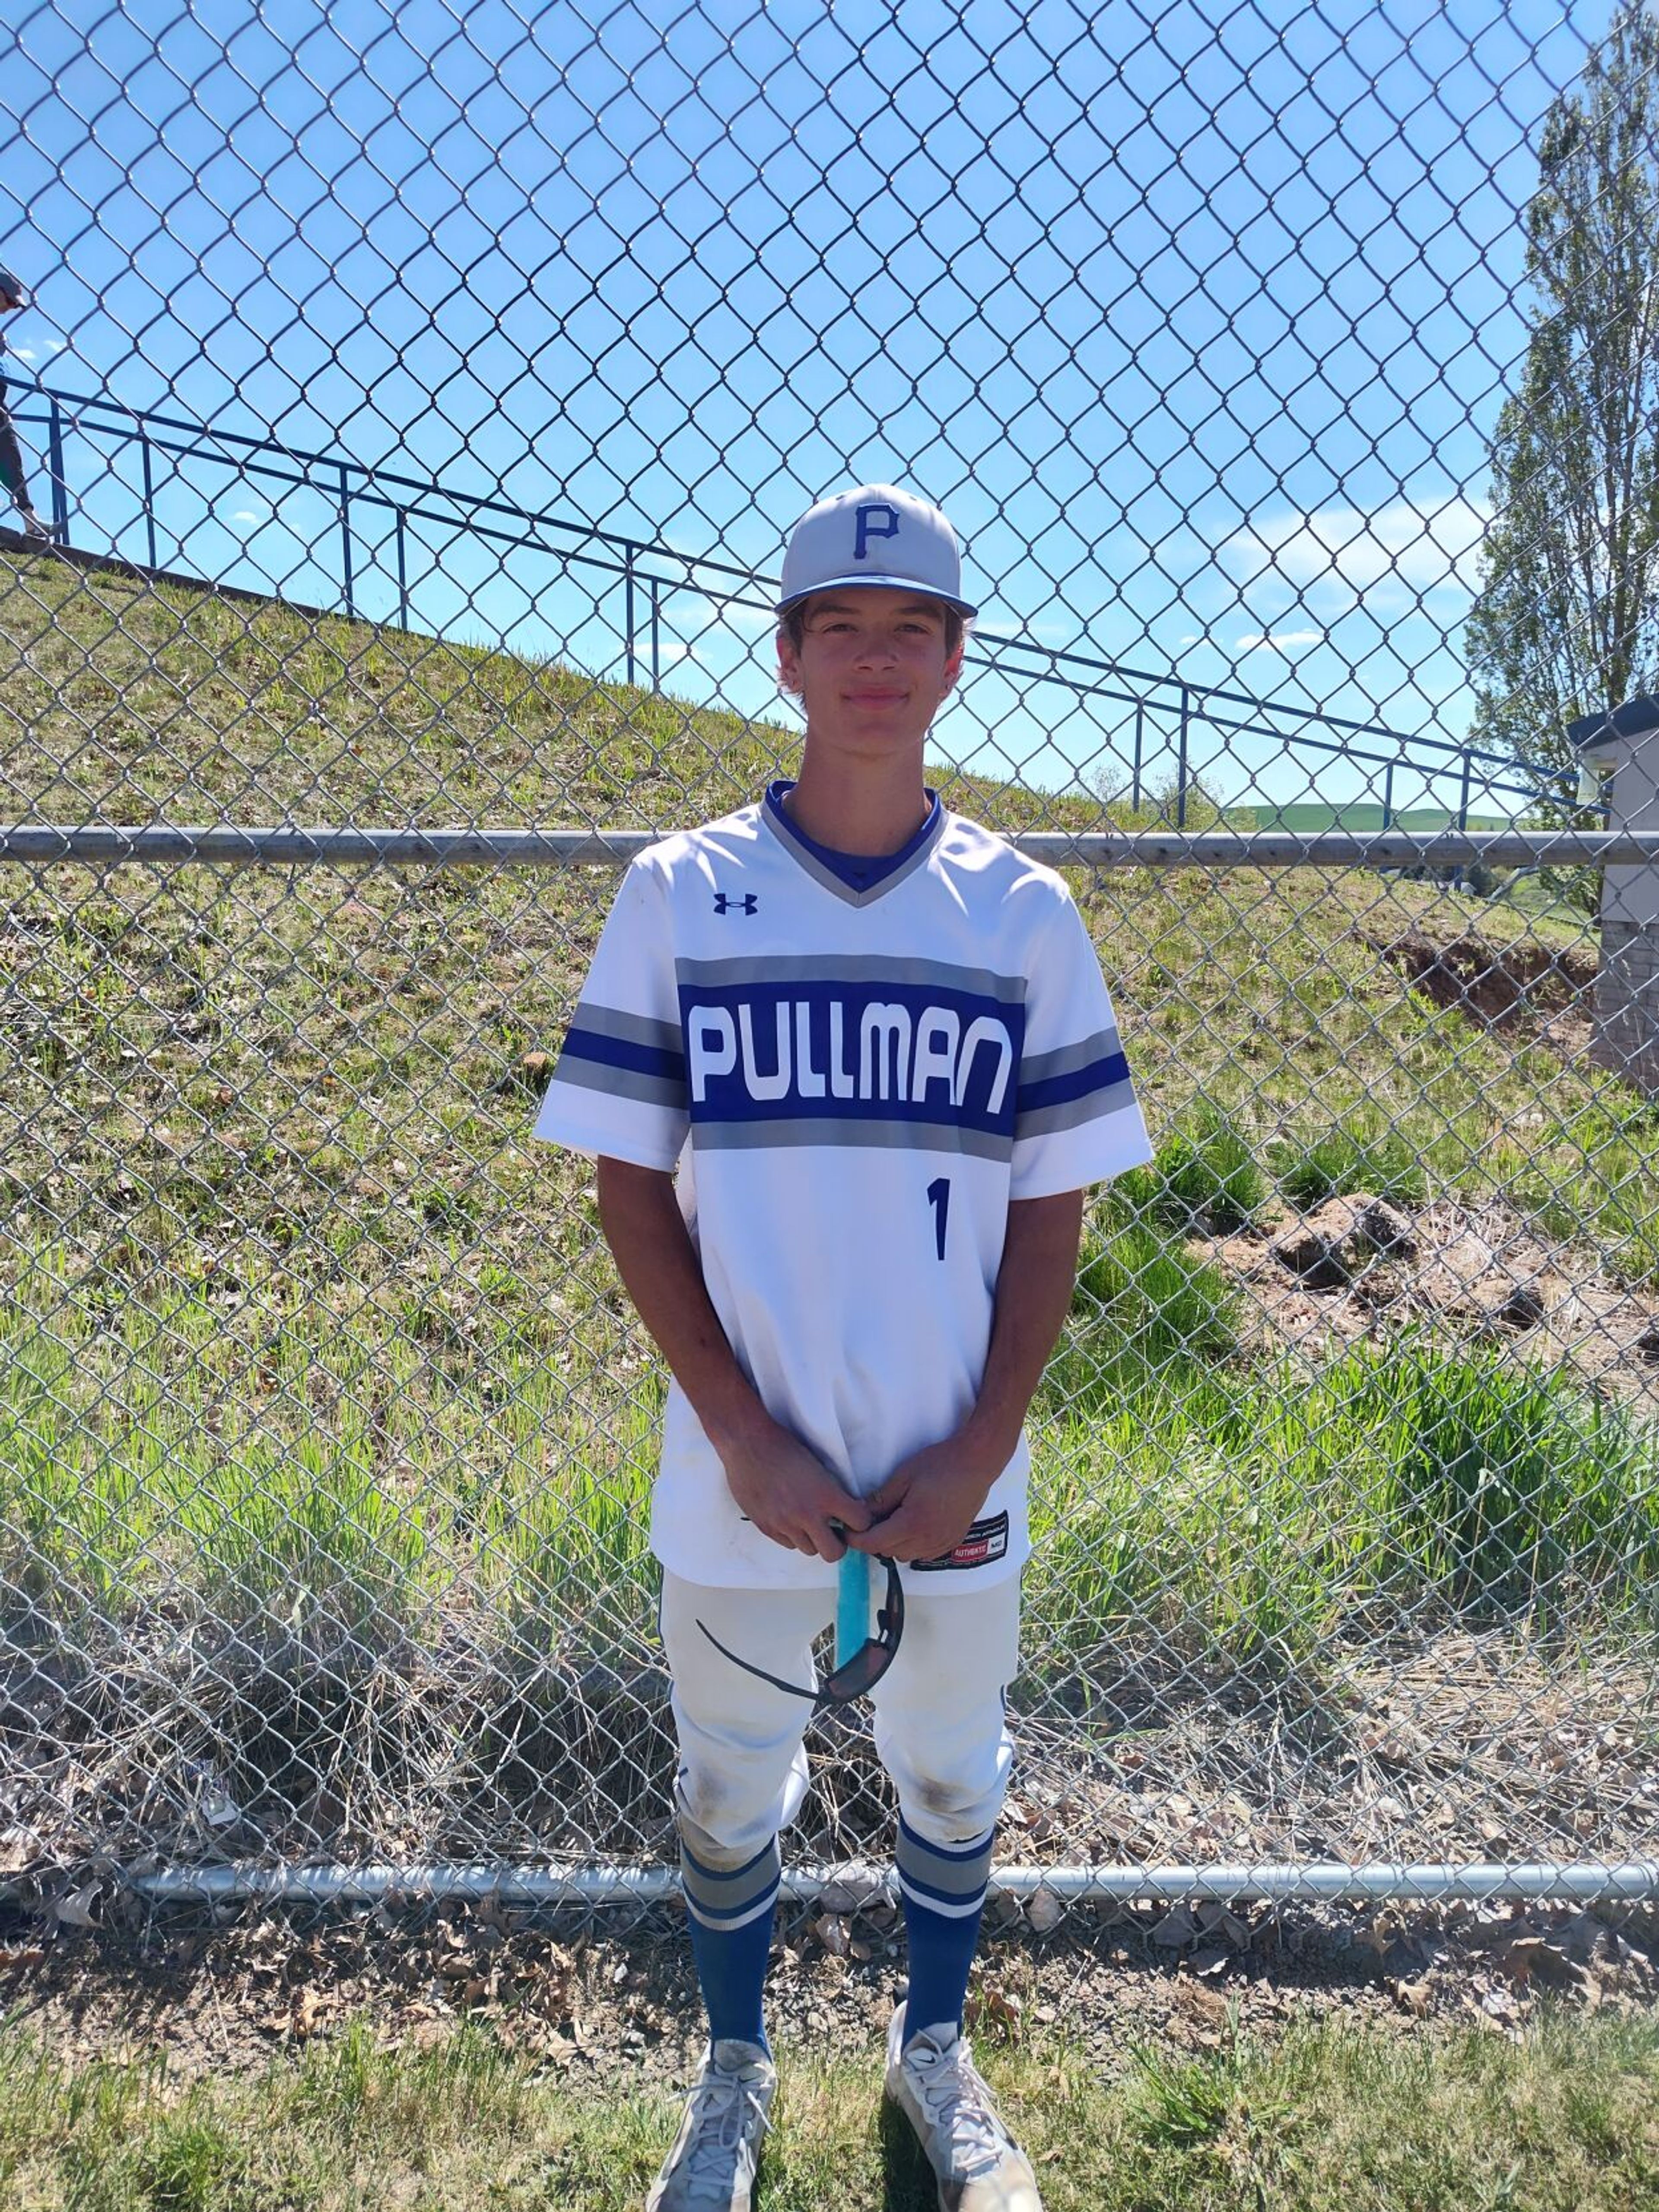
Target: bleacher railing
<point>1167,715</point>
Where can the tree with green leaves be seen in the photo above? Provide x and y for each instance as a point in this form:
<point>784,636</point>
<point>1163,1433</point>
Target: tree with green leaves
<point>1567,620</point>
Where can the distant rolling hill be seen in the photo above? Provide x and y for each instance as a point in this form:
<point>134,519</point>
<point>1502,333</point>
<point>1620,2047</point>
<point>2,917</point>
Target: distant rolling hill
<point>1354,814</point>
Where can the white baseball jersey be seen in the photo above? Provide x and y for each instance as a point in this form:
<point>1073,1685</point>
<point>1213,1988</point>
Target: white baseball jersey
<point>855,1066</point>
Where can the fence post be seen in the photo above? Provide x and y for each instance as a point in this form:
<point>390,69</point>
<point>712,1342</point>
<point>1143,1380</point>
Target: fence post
<point>1463,792</point>
<point>1181,765</point>
<point>1134,772</point>
<point>656,647</point>
<point>403,574</point>
<point>60,524</point>
<point>1388,796</point>
<point>150,497</point>
<point>1625,739</point>
<point>628,609</point>
<point>346,539</point>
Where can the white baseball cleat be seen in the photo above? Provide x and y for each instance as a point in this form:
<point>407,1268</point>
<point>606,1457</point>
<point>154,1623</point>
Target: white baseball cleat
<point>711,2167</point>
<point>932,2079</point>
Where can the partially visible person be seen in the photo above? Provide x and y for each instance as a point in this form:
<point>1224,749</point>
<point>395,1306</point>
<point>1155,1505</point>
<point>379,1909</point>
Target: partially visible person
<point>13,295</point>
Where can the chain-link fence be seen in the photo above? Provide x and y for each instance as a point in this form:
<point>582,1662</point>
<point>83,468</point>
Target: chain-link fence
<point>420,408</point>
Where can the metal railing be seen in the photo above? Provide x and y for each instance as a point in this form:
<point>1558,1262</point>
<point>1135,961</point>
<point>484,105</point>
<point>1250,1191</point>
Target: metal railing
<point>648,574</point>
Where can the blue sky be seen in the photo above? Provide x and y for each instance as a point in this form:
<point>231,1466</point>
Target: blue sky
<point>1196,319</point>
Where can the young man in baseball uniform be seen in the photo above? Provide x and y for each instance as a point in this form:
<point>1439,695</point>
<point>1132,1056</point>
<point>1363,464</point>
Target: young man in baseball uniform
<point>847,1063</point>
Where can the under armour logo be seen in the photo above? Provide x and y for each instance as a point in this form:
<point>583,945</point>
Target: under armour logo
<point>723,902</point>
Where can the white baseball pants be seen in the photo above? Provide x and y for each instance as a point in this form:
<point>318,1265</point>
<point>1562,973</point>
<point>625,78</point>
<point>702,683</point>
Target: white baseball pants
<point>941,1729</point>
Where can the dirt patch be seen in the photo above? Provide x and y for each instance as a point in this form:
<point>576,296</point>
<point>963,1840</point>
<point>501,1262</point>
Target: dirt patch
<point>1330,1279</point>
<point>586,2002</point>
<point>1525,984</point>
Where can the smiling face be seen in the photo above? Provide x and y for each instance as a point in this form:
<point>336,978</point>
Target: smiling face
<point>872,668</point>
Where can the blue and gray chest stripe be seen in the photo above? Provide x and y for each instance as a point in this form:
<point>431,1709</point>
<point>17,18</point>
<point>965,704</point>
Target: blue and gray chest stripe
<point>783,970</point>
<point>629,1055</point>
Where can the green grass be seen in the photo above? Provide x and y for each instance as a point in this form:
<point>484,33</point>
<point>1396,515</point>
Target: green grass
<point>286,1036</point>
<point>1345,1160</point>
<point>1144,1305</point>
<point>332,1469</point>
<point>1314,814</point>
<point>1278,1511</point>
<point>1322,2120</point>
<point>163,1447</point>
<point>1203,1177</point>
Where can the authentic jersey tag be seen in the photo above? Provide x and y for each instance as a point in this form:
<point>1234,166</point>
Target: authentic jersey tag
<point>985,1542</point>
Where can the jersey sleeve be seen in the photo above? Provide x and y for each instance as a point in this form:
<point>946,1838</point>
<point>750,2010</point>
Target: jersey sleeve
<point>618,1087</point>
<point>1077,1119</point>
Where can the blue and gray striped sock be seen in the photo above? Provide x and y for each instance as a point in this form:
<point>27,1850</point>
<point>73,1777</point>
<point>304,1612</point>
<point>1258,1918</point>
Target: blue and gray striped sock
<point>730,1916</point>
<point>943,1889</point>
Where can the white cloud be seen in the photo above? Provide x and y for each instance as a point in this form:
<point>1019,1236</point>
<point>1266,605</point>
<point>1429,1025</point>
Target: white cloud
<point>1277,640</point>
<point>757,620</point>
<point>57,345</point>
<point>1397,552</point>
<point>24,353</point>
<point>246,514</point>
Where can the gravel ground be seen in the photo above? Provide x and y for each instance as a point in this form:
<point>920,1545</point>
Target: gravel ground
<point>590,2001</point>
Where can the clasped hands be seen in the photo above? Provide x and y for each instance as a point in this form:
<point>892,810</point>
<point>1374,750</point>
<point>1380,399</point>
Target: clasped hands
<point>923,1510</point>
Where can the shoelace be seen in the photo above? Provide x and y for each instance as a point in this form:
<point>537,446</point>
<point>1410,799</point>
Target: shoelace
<point>718,2108</point>
<point>958,2105</point>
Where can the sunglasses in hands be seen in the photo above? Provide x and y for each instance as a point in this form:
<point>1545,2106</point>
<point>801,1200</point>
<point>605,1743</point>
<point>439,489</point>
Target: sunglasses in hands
<point>853,1677</point>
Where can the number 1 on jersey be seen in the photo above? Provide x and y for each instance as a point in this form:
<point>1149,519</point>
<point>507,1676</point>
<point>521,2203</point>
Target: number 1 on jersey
<point>938,1197</point>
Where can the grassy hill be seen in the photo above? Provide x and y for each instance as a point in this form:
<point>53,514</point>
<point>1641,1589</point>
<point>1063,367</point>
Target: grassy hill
<point>305,1349</point>
<point>1312,814</point>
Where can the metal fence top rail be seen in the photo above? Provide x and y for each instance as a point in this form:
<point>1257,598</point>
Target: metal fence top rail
<point>285,844</point>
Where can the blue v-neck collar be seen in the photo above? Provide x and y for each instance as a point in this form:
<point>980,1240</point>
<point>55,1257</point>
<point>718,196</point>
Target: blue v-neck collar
<point>852,876</point>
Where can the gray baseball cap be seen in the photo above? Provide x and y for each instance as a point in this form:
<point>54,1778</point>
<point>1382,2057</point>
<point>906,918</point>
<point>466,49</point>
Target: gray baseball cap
<point>875,535</point>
